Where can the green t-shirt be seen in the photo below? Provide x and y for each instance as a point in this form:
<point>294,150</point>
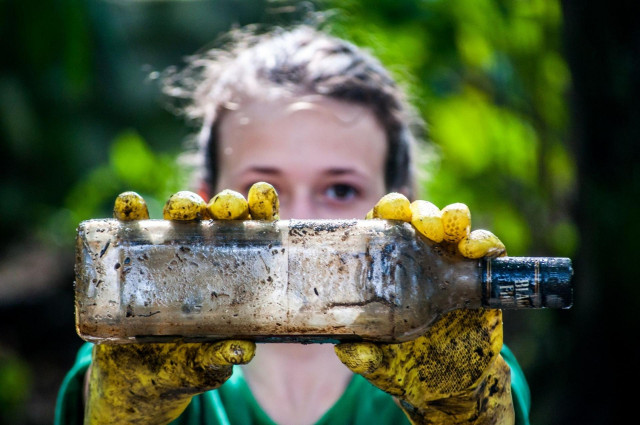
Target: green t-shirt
<point>234,404</point>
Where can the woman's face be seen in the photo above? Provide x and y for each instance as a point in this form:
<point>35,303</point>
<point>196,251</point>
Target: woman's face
<point>324,157</point>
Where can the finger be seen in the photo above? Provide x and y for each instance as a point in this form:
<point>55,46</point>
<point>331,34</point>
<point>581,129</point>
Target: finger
<point>427,219</point>
<point>360,357</point>
<point>228,205</point>
<point>384,365</point>
<point>130,206</point>
<point>185,206</point>
<point>263,202</point>
<point>456,219</point>
<point>393,206</point>
<point>229,352</point>
<point>481,243</point>
<point>190,366</point>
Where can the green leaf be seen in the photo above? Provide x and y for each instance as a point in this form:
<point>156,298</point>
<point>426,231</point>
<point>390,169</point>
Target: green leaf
<point>132,160</point>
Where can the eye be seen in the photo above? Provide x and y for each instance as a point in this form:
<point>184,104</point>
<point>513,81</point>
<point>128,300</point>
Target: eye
<point>342,192</point>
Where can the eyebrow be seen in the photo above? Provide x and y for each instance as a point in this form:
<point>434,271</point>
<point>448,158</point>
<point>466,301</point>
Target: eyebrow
<point>340,171</point>
<point>264,170</point>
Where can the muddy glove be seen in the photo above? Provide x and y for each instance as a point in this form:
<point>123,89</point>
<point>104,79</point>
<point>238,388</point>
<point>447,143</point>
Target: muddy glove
<point>153,383</point>
<point>454,373</point>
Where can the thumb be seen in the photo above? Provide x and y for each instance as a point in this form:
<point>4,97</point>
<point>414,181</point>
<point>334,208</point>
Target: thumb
<point>360,357</point>
<point>228,352</point>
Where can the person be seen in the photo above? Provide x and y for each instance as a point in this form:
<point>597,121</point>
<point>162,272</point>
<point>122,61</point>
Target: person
<point>326,126</point>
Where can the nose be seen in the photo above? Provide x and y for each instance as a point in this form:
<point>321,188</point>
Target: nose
<point>298,205</point>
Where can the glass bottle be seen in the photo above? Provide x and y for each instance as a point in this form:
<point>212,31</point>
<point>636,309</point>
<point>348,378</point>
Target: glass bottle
<point>289,281</point>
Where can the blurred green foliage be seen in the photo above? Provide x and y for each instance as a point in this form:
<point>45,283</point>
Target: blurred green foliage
<point>131,165</point>
<point>15,383</point>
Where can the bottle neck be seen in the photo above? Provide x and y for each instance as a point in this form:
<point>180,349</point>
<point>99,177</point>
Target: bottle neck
<point>526,282</point>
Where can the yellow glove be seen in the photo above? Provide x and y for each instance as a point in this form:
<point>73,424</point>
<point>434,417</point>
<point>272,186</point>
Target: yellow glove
<point>153,383</point>
<point>454,373</point>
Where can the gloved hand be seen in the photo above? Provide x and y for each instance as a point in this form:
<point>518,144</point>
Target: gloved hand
<point>454,373</point>
<point>153,383</point>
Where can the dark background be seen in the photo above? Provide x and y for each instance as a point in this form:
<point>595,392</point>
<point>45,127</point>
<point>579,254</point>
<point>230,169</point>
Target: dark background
<point>533,112</point>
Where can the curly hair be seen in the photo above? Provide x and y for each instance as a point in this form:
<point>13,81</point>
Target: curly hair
<point>298,61</point>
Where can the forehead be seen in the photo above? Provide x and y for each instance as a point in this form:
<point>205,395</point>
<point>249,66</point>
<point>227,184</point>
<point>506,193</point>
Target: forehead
<point>316,131</point>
